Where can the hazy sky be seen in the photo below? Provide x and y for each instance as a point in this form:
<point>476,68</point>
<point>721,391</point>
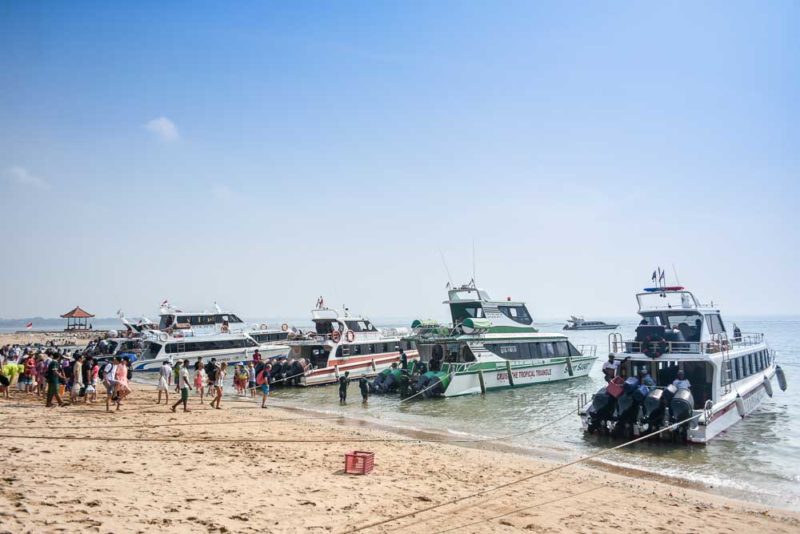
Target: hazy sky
<point>262,155</point>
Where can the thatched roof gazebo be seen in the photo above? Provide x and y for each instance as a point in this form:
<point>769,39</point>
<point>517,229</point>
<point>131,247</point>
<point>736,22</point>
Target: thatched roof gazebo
<point>77,319</point>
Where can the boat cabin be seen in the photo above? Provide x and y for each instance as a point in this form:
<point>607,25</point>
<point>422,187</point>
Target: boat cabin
<point>470,302</point>
<point>200,322</point>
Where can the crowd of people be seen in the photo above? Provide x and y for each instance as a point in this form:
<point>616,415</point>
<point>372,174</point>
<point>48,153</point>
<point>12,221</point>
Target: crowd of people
<point>56,376</point>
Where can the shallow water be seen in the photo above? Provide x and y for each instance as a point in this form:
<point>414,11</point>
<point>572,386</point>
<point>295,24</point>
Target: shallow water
<point>758,458</point>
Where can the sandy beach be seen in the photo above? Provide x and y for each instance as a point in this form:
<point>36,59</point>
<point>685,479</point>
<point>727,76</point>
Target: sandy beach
<point>244,469</point>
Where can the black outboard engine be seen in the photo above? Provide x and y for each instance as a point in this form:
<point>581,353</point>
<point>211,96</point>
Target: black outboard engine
<point>627,410</point>
<point>653,408</point>
<point>422,383</point>
<point>434,388</point>
<point>681,407</point>
<point>602,409</point>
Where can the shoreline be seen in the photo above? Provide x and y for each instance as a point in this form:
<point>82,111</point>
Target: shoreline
<point>235,476</point>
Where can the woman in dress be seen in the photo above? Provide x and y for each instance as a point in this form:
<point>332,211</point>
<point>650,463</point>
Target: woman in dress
<point>218,382</point>
<point>121,378</point>
<point>198,379</point>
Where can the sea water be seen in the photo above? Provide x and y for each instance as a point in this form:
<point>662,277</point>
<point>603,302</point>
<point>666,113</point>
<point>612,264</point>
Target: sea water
<point>757,459</point>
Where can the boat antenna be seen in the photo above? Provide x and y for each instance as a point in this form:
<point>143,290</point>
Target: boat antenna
<point>675,272</point>
<point>473,261</point>
<point>450,278</point>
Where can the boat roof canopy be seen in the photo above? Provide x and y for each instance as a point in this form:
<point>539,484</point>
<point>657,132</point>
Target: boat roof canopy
<point>668,299</point>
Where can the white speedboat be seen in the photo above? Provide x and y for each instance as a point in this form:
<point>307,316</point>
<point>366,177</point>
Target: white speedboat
<point>208,334</point>
<point>579,323</point>
<point>492,345</point>
<point>725,377</point>
<point>237,347</point>
<point>342,342</point>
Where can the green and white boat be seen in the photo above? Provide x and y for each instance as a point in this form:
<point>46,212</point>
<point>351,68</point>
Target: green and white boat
<point>491,345</point>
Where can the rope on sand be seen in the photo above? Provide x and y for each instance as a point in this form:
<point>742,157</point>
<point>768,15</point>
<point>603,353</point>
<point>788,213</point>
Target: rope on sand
<point>523,479</point>
<point>278,440</point>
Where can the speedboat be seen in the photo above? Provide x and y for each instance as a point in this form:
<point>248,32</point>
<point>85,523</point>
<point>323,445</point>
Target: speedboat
<point>236,347</point>
<point>579,323</point>
<point>208,334</point>
<point>341,343</point>
<point>724,378</point>
<point>491,345</point>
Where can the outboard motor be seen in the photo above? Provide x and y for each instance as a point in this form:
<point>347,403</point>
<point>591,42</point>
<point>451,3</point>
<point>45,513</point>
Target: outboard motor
<point>435,387</point>
<point>602,409</point>
<point>423,382</point>
<point>627,410</point>
<point>682,407</point>
<point>653,408</point>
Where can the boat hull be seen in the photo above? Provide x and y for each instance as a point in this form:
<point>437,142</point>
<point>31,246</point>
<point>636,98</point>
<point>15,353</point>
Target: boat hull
<point>495,375</point>
<point>358,366</point>
<point>231,358</point>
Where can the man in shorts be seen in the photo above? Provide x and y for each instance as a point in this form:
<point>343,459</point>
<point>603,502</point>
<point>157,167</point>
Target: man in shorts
<point>265,377</point>
<point>109,380</point>
<point>183,375</point>
<point>164,381</point>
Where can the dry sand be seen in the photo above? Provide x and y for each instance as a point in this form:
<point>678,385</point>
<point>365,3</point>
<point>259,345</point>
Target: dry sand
<point>239,485</point>
<point>58,337</point>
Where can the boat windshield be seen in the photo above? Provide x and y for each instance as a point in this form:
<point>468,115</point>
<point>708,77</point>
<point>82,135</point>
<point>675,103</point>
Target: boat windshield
<point>151,350</point>
<point>470,310</point>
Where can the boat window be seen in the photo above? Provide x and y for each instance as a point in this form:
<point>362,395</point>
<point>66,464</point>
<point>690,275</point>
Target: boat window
<point>466,354</point>
<point>343,351</point>
<point>547,350</point>
<point>356,350</point>
<point>651,320</point>
<point>562,350</point>
<point>517,314</point>
<point>356,326</point>
<point>325,327</point>
<point>573,350</point>
<point>371,349</point>
<point>509,351</point>
<point>690,325</point>
<point>151,350</point>
<point>409,345</point>
<point>714,323</point>
<point>466,311</point>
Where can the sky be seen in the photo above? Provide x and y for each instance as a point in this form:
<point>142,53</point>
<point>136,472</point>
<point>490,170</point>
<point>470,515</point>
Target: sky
<point>261,154</point>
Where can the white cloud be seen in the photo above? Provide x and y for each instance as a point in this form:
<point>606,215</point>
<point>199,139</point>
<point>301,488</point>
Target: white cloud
<point>21,176</point>
<point>164,129</point>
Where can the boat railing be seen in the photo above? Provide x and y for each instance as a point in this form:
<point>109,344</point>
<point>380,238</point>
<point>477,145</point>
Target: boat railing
<point>618,345</point>
<point>587,350</point>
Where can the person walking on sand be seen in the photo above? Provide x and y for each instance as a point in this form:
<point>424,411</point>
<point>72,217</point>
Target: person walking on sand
<point>198,379</point>
<point>54,377</point>
<point>110,380</point>
<point>122,389</point>
<point>262,379</point>
<point>77,380</point>
<point>344,381</point>
<point>91,382</point>
<point>251,380</point>
<point>219,381</point>
<point>164,381</point>
<point>176,376</point>
<point>185,386</point>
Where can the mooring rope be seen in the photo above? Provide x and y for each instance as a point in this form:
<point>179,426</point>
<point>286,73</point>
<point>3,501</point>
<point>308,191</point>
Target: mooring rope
<point>523,479</point>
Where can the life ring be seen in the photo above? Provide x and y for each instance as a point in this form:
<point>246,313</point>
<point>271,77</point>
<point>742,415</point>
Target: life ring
<point>336,336</point>
<point>263,326</point>
<point>285,327</point>
<point>163,336</point>
<point>350,336</point>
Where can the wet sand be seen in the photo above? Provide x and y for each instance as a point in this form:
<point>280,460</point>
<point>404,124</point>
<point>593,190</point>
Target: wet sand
<point>244,469</point>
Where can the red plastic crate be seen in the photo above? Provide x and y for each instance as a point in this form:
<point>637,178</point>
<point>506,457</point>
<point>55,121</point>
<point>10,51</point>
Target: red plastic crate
<point>614,387</point>
<point>359,462</point>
